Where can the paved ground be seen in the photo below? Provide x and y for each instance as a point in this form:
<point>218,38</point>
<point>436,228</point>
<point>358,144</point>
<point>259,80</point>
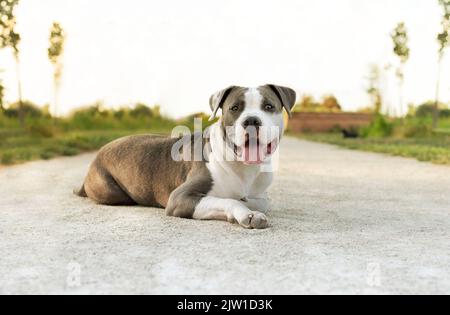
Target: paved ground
<point>343,222</point>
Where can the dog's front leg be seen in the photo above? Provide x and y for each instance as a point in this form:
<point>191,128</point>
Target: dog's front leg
<point>257,204</point>
<point>212,208</point>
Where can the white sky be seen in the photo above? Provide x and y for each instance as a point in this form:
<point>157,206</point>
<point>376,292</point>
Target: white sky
<point>177,53</point>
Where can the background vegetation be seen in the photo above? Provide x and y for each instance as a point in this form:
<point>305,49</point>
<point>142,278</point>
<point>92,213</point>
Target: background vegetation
<point>412,136</point>
<point>86,129</point>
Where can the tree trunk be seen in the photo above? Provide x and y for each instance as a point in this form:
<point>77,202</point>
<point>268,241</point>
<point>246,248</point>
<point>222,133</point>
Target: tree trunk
<point>55,98</point>
<point>401,99</point>
<point>401,84</point>
<point>19,92</point>
<point>436,103</point>
<point>56,90</point>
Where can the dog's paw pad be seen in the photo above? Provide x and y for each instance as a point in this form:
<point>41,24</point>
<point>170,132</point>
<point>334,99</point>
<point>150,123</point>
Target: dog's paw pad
<point>247,221</point>
<point>255,220</point>
<point>259,221</point>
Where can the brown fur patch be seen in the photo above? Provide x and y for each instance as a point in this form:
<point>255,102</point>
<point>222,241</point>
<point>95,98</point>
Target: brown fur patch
<point>140,170</point>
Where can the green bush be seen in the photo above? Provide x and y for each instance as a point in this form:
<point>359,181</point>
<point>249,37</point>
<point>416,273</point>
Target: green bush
<point>68,151</point>
<point>414,128</point>
<point>141,111</point>
<point>42,129</point>
<point>427,110</point>
<point>47,155</point>
<point>97,118</point>
<point>445,113</point>
<point>30,110</point>
<point>379,128</point>
<point>86,129</point>
<point>7,158</point>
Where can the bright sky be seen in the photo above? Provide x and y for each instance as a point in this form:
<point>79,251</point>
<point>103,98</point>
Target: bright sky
<point>177,53</point>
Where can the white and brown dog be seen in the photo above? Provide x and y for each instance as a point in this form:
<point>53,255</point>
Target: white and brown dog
<point>229,182</point>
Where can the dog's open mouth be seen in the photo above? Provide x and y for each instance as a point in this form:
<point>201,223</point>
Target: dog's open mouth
<point>254,151</point>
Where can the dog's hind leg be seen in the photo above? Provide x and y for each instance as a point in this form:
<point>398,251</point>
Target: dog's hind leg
<point>101,187</point>
<point>80,192</point>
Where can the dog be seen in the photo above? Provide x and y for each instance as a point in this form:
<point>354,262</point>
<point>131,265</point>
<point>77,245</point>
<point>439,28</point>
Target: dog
<point>228,182</point>
<point>350,133</point>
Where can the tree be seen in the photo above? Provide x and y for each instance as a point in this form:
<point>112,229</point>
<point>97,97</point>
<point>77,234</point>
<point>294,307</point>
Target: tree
<point>9,38</point>
<point>400,39</point>
<point>373,88</point>
<point>307,104</point>
<point>55,51</point>
<point>2,97</point>
<point>444,41</point>
<point>141,110</point>
<point>331,104</point>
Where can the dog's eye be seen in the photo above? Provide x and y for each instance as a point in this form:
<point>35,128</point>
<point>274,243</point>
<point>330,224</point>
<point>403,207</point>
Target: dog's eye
<point>269,107</point>
<point>235,108</point>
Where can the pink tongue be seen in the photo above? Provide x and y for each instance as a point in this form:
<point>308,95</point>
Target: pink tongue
<point>252,155</point>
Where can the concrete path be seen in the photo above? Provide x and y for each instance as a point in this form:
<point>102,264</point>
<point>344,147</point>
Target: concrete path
<point>342,222</point>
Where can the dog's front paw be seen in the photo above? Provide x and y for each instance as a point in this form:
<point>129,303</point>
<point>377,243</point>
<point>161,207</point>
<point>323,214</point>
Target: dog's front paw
<point>259,221</point>
<point>255,220</point>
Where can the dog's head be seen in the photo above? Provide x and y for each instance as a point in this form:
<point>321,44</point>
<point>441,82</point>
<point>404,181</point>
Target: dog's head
<point>252,121</point>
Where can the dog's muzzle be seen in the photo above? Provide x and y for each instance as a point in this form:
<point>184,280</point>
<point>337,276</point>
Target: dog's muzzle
<point>255,148</point>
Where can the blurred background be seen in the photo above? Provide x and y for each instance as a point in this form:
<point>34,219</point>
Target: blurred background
<point>371,75</point>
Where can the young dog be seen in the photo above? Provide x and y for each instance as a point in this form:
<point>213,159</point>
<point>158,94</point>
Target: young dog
<point>229,182</point>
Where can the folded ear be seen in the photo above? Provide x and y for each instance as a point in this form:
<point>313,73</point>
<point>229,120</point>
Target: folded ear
<point>287,96</point>
<point>218,100</point>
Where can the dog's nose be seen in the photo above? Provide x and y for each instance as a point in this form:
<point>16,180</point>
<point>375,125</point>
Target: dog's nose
<point>252,121</point>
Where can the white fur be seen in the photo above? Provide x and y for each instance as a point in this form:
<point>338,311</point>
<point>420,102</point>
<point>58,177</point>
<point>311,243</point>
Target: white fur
<point>239,191</point>
<point>270,121</point>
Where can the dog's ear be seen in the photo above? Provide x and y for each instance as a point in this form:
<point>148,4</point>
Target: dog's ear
<point>217,100</point>
<point>287,96</point>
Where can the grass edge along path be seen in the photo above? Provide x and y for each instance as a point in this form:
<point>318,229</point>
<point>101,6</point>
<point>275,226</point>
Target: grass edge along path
<point>435,149</point>
<point>24,148</point>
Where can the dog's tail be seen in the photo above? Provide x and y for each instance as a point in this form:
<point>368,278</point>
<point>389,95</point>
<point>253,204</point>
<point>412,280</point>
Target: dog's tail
<point>80,192</point>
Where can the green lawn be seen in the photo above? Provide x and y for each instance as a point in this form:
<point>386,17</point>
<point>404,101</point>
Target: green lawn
<point>18,146</point>
<point>434,148</point>
<point>86,129</point>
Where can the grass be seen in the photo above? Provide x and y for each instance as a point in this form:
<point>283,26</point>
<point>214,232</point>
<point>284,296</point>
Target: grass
<point>434,148</point>
<point>411,137</point>
<point>20,147</point>
<point>85,130</point>
<point>90,128</point>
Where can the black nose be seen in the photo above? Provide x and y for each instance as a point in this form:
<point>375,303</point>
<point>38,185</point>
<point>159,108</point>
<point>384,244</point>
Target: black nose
<point>252,121</point>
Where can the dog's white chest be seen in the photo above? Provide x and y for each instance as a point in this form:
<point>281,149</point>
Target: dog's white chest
<point>228,183</point>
